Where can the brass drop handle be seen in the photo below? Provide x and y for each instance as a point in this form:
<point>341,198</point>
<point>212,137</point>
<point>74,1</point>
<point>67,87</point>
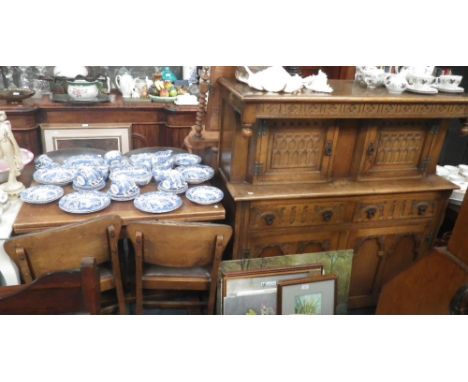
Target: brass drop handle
<point>371,149</point>
<point>327,215</point>
<point>422,208</point>
<point>269,219</point>
<point>371,212</point>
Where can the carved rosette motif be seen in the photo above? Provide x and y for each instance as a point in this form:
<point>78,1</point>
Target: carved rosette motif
<point>360,110</point>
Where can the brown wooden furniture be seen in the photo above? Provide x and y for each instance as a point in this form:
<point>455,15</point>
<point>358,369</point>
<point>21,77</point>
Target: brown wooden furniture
<point>38,217</point>
<point>177,256</point>
<point>74,291</point>
<point>63,248</point>
<point>430,285</point>
<point>350,170</point>
<point>153,124</point>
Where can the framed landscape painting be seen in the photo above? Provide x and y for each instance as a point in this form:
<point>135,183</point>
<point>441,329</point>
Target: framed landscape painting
<point>312,295</point>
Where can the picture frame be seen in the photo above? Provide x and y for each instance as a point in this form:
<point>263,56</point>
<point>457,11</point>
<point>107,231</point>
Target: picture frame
<point>254,291</point>
<point>104,136</point>
<point>315,295</point>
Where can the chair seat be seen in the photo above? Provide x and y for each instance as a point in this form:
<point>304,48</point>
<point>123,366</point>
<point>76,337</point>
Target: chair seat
<point>106,278</point>
<point>156,277</point>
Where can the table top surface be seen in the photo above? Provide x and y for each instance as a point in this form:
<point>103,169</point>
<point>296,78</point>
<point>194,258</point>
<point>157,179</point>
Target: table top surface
<point>343,91</point>
<point>33,217</point>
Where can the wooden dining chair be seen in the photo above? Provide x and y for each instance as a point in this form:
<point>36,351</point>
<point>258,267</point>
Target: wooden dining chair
<point>63,248</point>
<point>67,292</point>
<point>177,256</point>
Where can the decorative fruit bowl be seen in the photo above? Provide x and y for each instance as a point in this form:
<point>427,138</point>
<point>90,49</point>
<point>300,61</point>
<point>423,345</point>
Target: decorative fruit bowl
<point>162,99</point>
<point>16,95</point>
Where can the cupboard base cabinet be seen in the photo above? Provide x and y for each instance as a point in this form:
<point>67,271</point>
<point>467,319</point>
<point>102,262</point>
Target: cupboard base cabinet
<point>352,170</point>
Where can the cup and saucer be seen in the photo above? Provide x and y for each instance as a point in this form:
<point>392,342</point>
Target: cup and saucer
<point>173,182</point>
<point>421,84</point>
<point>123,188</point>
<point>449,84</point>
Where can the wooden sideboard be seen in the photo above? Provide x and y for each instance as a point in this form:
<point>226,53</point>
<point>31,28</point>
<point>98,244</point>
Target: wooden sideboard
<point>351,170</point>
<point>153,124</point>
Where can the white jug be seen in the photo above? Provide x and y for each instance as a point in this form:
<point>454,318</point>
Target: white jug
<point>126,84</point>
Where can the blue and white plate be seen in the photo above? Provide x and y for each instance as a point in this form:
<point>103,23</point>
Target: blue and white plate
<point>186,159</point>
<point>157,202</point>
<point>196,174</point>
<point>173,190</point>
<point>57,176</point>
<point>84,202</point>
<point>84,160</point>
<point>41,194</point>
<point>140,175</point>
<point>204,195</point>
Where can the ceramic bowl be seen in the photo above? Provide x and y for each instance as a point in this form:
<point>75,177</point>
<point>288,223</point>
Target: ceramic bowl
<point>82,89</point>
<point>44,161</point>
<point>88,177</point>
<point>160,172</point>
<point>112,156</point>
<point>119,163</point>
<point>139,174</point>
<point>420,80</point>
<point>449,81</point>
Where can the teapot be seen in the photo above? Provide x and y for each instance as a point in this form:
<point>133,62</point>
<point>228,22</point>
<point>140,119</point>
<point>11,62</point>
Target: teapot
<point>126,83</point>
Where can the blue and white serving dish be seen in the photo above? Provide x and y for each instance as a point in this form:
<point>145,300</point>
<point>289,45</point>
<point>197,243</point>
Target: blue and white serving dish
<point>197,173</point>
<point>204,195</point>
<point>84,160</point>
<point>157,202</point>
<point>123,189</point>
<point>135,159</point>
<point>41,194</point>
<point>186,159</point>
<point>84,202</point>
<point>139,174</point>
<point>57,176</point>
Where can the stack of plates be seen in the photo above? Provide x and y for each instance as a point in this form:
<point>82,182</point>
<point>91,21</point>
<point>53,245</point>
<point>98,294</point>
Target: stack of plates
<point>57,176</point>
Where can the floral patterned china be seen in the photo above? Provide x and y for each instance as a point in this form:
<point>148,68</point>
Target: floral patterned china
<point>44,161</point>
<point>204,195</point>
<point>84,202</point>
<point>185,159</point>
<point>139,174</point>
<point>88,178</point>
<point>135,159</point>
<point>58,176</point>
<point>123,189</point>
<point>196,174</point>
<point>173,182</point>
<point>157,202</point>
<point>41,194</point>
<point>111,156</point>
<point>84,160</point>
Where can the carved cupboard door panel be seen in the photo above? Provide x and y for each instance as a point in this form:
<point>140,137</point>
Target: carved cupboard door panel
<point>294,150</point>
<point>278,244</point>
<point>389,149</point>
<point>379,255</point>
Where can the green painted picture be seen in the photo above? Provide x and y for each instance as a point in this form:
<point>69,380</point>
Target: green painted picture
<point>308,304</point>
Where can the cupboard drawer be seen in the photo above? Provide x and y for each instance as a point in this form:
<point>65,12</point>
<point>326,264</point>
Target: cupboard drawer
<point>295,242</point>
<point>404,207</point>
<point>297,213</point>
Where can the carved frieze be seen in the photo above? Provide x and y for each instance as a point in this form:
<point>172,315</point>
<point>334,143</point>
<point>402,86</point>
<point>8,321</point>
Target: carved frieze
<point>360,110</point>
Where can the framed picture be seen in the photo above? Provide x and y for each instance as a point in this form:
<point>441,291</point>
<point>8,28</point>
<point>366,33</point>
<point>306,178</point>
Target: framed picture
<point>104,136</point>
<point>309,295</point>
<point>254,291</point>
